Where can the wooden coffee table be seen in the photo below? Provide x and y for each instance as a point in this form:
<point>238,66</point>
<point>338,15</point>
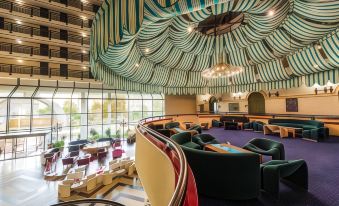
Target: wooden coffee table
<point>284,131</point>
<point>225,148</point>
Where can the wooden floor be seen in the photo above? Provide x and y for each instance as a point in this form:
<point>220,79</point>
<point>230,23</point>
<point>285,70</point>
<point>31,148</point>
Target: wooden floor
<point>22,184</point>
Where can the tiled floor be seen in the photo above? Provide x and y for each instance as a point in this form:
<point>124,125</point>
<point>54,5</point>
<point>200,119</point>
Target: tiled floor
<point>22,184</point>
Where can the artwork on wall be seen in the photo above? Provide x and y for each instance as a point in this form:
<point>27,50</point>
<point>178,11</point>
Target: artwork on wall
<point>291,104</point>
<point>233,107</point>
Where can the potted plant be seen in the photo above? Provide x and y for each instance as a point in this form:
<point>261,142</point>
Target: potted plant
<point>108,132</point>
<point>59,144</point>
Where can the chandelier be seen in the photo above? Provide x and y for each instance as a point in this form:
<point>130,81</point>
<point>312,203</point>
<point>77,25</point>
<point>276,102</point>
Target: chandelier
<point>221,69</point>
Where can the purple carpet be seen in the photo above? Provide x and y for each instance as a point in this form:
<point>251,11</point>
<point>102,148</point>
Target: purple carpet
<point>323,167</point>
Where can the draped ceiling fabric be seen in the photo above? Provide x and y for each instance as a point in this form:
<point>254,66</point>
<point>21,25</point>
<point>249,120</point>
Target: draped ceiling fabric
<point>304,33</point>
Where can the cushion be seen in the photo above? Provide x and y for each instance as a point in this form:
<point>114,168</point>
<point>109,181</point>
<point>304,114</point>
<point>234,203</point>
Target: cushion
<point>191,145</point>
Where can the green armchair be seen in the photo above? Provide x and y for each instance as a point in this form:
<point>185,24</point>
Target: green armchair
<point>204,139</point>
<point>171,125</point>
<point>196,127</point>
<point>234,176</point>
<point>267,147</point>
<point>294,171</point>
<point>185,139</point>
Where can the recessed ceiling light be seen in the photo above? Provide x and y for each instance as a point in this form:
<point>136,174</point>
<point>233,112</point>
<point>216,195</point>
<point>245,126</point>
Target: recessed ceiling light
<point>18,22</point>
<point>20,60</point>
<point>271,13</point>
<point>147,50</point>
<point>19,41</point>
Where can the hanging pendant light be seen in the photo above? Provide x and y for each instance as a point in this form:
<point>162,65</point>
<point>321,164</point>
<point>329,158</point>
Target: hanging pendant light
<point>221,69</point>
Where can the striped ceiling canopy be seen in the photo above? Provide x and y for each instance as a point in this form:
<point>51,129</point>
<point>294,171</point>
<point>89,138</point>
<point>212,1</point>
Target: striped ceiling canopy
<point>145,45</point>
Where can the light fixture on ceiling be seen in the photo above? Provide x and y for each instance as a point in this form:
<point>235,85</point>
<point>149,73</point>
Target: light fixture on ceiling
<point>137,65</point>
<point>270,12</point>
<point>83,35</point>
<point>315,66</point>
<point>83,17</point>
<point>19,2</point>
<point>189,29</point>
<point>18,22</point>
<point>147,50</point>
<point>319,46</point>
<point>84,51</point>
<point>83,68</point>
<point>221,69</point>
<point>20,60</point>
<point>19,41</point>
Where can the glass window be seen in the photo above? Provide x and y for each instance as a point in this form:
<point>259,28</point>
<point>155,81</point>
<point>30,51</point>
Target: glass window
<point>122,105</point>
<point>41,122</point>
<point>158,105</point>
<point>42,106</point>
<point>121,95</point>
<point>157,96</point>
<point>109,94</point>
<point>20,106</point>
<point>45,92</point>
<point>147,105</point>
<point>80,93</point>
<point>24,91</point>
<point>19,123</point>
<point>6,90</point>
<point>132,95</point>
<point>95,94</point>
<point>64,93</point>
<point>135,105</point>
<point>3,107</point>
<point>146,96</point>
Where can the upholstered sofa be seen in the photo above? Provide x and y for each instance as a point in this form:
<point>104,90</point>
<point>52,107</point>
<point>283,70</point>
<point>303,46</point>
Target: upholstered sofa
<point>204,139</point>
<point>231,122</point>
<point>160,128</point>
<point>257,126</point>
<point>185,139</point>
<point>216,123</point>
<point>233,176</point>
<point>312,129</point>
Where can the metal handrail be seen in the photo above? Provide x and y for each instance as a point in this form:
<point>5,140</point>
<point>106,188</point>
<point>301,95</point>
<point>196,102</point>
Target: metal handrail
<point>35,11</point>
<point>76,4</point>
<point>18,48</point>
<point>35,31</point>
<point>180,189</point>
<point>32,70</point>
<point>93,201</point>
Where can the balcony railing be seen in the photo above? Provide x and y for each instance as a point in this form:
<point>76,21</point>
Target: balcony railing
<point>31,50</point>
<point>93,202</point>
<point>76,4</point>
<point>36,31</point>
<point>52,15</point>
<point>32,70</point>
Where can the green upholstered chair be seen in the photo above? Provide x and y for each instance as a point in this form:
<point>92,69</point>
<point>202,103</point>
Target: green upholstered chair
<point>248,126</point>
<point>196,127</point>
<point>170,125</point>
<point>266,147</point>
<point>204,139</point>
<point>216,123</point>
<point>185,139</point>
<point>234,176</point>
<point>258,126</point>
<point>294,171</point>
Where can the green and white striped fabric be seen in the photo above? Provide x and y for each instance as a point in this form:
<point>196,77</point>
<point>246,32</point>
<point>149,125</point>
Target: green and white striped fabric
<point>322,78</point>
<point>144,45</point>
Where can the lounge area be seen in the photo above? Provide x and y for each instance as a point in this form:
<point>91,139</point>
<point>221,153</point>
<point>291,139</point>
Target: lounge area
<point>169,102</point>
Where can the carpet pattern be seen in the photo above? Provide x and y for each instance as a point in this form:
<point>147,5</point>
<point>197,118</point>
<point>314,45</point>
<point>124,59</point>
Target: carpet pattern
<point>323,168</point>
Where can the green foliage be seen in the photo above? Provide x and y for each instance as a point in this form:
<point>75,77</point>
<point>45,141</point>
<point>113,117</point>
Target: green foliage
<point>58,144</point>
<point>117,134</point>
<point>108,132</point>
<point>46,110</point>
<point>93,132</point>
<point>67,107</point>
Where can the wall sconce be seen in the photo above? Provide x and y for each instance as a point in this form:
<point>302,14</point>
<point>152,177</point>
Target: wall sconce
<point>316,90</point>
<point>275,94</point>
<point>237,95</point>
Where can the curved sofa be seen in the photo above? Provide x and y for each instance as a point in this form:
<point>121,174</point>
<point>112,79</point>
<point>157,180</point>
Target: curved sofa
<point>234,176</point>
<point>312,129</point>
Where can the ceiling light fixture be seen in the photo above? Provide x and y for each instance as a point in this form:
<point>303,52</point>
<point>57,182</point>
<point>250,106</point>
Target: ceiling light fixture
<point>221,69</point>
<point>84,51</point>
<point>137,65</point>
<point>189,29</point>
<point>84,68</point>
<point>271,13</point>
<point>147,50</point>
<point>83,35</point>
<point>19,41</point>
<point>18,22</point>
<point>20,60</point>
